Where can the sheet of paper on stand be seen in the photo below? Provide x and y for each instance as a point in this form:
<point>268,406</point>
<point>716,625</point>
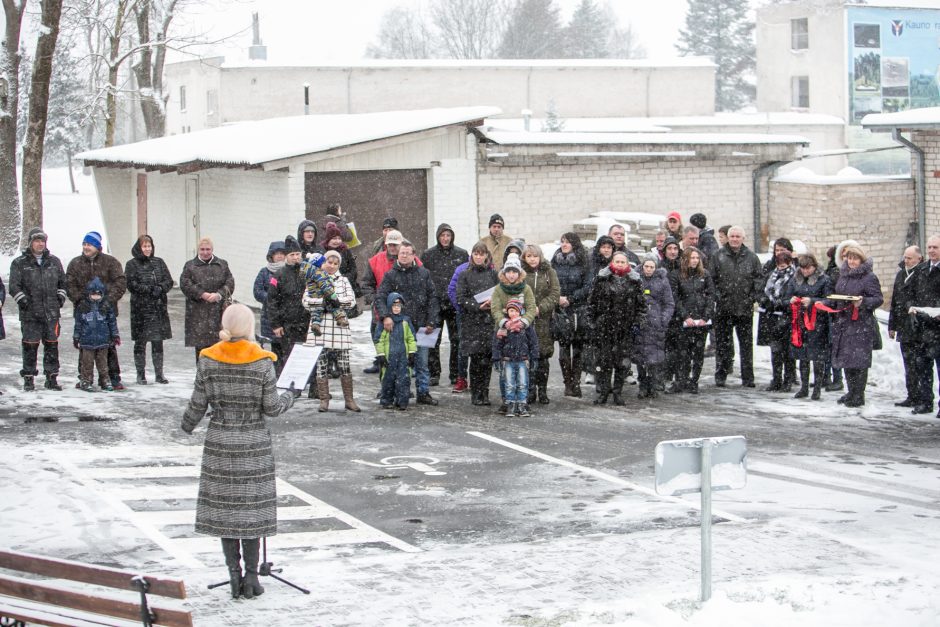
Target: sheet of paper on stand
<point>302,361</point>
<point>428,340</point>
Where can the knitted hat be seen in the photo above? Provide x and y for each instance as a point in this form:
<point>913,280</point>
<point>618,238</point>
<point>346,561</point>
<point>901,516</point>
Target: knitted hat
<point>670,241</point>
<point>674,214</point>
<point>516,303</point>
<point>393,237</point>
<point>331,231</point>
<point>290,244</point>
<point>93,238</point>
<point>332,253</point>
<point>512,263</point>
<point>36,233</point>
<point>698,220</point>
<point>496,219</point>
<point>390,223</point>
<point>855,250</point>
<point>238,323</point>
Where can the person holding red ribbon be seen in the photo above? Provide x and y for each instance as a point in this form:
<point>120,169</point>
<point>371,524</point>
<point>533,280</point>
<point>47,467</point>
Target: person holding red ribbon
<point>853,324</point>
<point>809,332</point>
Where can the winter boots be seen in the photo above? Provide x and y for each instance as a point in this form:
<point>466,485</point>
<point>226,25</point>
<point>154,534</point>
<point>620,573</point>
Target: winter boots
<point>776,384</point>
<point>52,383</point>
<point>323,390</point>
<point>29,383</point>
<point>804,380</point>
<point>140,362</point>
<point>251,587</point>
<point>346,381</point>
<point>233,561</point>
<point>158,368</point>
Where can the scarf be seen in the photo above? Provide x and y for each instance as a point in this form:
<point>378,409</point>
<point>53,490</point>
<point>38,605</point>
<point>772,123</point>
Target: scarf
<point>513,288</point>
<point>274,266</point>
<point>619,272</point>
<point>566,260</point>
<point>777,281</point>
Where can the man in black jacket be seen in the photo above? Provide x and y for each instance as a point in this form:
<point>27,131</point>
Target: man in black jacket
<point>38,286</point>
<point>441,261</point>
<point>414,284</point>
<point>900,327</point>
<point>736,271</point>
<point>927,294</point>
<point>289,320</point>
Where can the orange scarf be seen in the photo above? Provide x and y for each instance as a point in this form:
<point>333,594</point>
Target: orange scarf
<point>237,352</point>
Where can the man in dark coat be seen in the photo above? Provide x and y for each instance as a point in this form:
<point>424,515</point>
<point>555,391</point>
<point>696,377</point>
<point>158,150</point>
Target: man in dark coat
<point>307,233</point>
<point>927,294</point>
<point>706,236</point>
<point>441,261</point>
<point>38,287</point>
<point>900,325</point>
<point>388,224</point>
<point>288,317</point>
<point>207,284</point>
<point>736,272</point>
<point>618,233</point>
<point>414,283</point>
<point>81,270</point>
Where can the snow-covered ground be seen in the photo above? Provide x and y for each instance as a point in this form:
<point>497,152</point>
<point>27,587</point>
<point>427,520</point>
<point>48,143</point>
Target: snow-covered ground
<point>843,534</point>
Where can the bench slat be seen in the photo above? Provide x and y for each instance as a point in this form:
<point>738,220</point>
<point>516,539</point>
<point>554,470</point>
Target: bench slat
<point>41,614</point>
<point>42,592</point>
<point>88,573</point>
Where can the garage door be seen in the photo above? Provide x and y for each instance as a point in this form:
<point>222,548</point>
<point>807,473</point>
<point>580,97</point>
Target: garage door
<point>369,197</point>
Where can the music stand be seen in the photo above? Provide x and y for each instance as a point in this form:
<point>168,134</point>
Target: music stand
<point>265,570</point>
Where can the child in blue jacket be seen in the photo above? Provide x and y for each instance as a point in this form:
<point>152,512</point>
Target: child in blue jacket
<point>395,353</point>
<point>514,351</point>
<point>95,330</point>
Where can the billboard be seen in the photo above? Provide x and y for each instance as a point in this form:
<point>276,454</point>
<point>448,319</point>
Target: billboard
<point>893,60</point>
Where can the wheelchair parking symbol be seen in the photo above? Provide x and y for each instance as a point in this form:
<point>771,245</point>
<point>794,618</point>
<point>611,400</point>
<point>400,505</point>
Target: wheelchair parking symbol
<point>403,462</point>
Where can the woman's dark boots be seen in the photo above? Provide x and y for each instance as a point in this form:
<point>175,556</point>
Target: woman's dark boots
<point>776,364</point>
<point>804,380</point>
<point>158,367</point>
<point>856,379</point>
<point>233,561</point>
<point>818,380</point>
<point>541,381</point>
<point>251,587</point>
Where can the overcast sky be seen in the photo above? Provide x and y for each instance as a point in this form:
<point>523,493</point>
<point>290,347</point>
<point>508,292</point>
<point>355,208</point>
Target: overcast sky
<point>328,31</point>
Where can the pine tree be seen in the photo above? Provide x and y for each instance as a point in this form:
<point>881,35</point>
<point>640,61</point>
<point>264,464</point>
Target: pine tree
<point>722,30</point>
<point>534,31</point>
<point>588,32</point>
<point>552,123</point>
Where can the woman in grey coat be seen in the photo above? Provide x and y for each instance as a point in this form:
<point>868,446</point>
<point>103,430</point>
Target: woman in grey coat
<point>853,328</point>
<point>237,498</point>
<point>649,350</point>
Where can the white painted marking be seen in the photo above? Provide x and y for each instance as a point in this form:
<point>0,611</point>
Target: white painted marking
<point>392,463</point>
<point>141,472</point>
<point>602,475</point>
<point>303,539</point>
<point>162,518</point>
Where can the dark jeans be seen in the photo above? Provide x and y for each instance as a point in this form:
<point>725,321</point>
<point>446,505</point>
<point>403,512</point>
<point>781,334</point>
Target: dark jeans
<point>50,358</point>
<point>924,365</point>
<point>691,355</point>
<point>911,375</point>
<point>725,326</point>
<point>449,318</point>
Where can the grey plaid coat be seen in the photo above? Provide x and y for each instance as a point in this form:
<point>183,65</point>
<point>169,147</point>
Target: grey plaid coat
<point>237,497</point>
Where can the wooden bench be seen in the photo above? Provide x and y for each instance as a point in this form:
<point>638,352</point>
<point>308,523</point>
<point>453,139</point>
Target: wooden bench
<point>43,602</point>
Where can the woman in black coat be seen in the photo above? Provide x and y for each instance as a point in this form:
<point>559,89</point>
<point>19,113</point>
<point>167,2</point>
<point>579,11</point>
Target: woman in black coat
<point>808,286</point>
<point>476,321</point>
<point>617,308</point>
<point>573,267</point>
<point>695,306</point>
<point>148,281</point>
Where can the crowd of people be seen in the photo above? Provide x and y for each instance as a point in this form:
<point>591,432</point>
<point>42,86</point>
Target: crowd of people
<point>616,317</point>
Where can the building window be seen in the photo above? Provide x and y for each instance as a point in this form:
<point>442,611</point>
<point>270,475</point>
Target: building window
<point>212,102</point>
<point>182,97</point>
<point>799,92</point>
<point>799,34</point>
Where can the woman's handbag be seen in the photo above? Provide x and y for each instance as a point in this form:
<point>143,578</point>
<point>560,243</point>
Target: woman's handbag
<point>561,327</point>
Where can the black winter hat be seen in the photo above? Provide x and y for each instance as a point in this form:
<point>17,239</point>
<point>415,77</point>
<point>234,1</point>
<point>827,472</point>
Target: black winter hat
<point>698,220</point>
<point>496,219</point>
<point>291,245</point>
<point>668,241</point>
<point>390,223</point>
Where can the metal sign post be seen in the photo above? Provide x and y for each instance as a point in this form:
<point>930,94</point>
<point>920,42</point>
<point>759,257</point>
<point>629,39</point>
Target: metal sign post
<point>686,466</point>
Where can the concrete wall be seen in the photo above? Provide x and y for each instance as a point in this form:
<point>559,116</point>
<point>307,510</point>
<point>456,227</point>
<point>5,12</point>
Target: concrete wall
<point>199,78</point>
<point>823,62</point>
<point>541,202</point>
<point>617,90</point>
<point>876,214</point>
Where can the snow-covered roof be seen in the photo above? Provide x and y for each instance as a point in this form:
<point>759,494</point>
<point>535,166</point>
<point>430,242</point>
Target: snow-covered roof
<point>845,176</point>
<point>927,117</point>
<point>664,124</point>
<point>895,4</point>
<point>665,62</point>
<point>565,138</point>
<point>261,141</point>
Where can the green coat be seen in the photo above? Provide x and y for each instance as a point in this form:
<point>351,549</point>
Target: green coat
<point>545,287</point>
<point>501,297</point>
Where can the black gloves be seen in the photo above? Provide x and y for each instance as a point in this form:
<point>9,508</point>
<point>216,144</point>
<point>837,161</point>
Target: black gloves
<point>156,290</point>
<point>24,301</point>
<point>382,361</point>
<point>411,360</point>
<point>294,391</point>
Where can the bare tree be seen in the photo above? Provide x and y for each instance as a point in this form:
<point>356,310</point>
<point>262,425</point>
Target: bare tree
<point>34,143</point>
<point>152,56</point>
<point>9,108</point>
<point>469,29</point>
<point>404,33</point>
<point>625,44</point>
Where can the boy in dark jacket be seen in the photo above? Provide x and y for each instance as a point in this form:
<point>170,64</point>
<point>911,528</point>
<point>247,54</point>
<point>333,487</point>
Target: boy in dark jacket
<point>395,353</point>
<point>95,332</point>
<point>514,350</point>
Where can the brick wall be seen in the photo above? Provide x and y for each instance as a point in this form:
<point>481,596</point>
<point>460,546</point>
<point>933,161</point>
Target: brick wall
<point>876,214</point>
<point>929,142</point>
<point>540,202</point>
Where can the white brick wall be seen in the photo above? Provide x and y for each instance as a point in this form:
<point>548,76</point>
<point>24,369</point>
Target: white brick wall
<point>540,202</point>
<point>452,197</point>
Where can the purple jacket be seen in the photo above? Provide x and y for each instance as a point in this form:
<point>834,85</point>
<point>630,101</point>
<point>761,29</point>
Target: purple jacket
<point>853,340</point>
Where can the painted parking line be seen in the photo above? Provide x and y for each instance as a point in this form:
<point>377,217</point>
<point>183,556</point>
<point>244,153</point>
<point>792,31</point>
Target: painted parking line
<point>158,496</point>
<point>602,475</point>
